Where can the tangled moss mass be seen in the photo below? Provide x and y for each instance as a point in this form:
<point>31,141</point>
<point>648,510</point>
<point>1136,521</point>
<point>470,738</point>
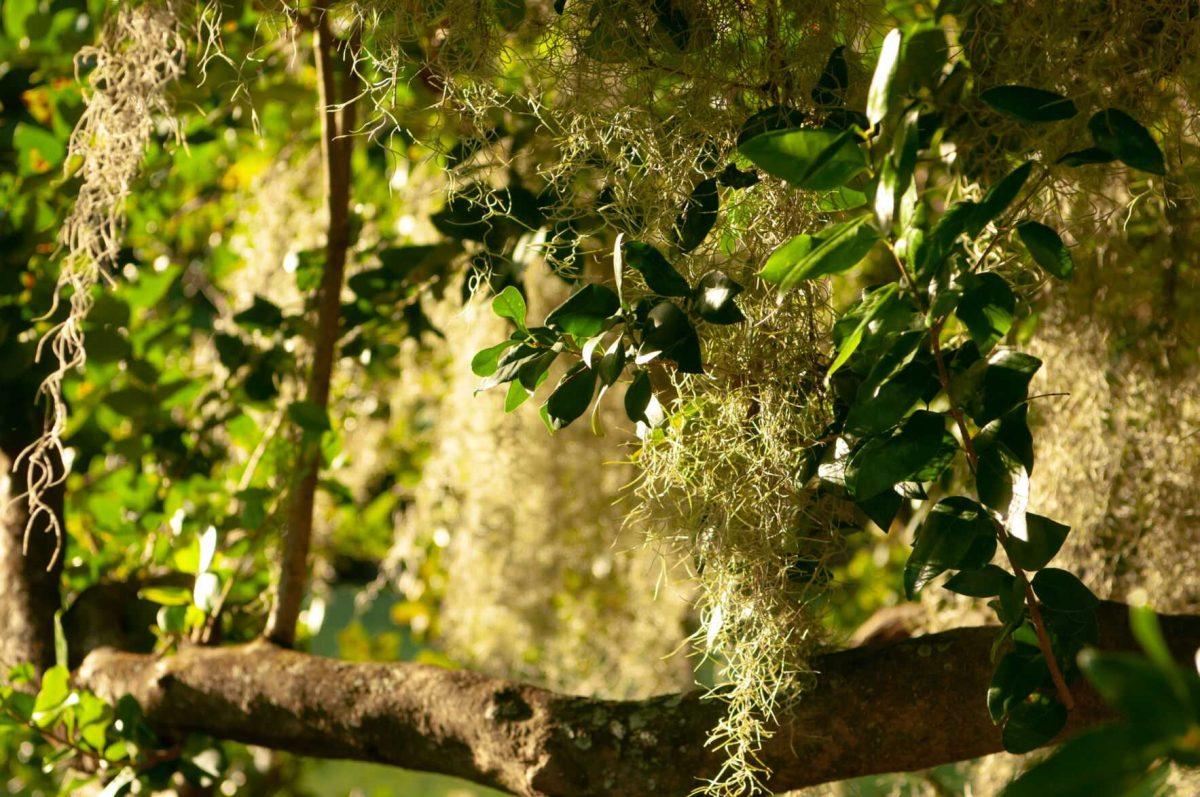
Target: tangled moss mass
<point>524,144</point>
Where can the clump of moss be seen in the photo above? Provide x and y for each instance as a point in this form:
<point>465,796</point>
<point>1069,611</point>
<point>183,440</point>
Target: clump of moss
<point>138,56</point>
<point>521,535</point>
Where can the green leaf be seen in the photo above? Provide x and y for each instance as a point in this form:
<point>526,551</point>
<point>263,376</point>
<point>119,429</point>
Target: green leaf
<point>571,396</point>
<point>1143,622</point>
<point>1107,762</point>
<point>38,149</point>
<point>1002,383</point>
<point>986,308</point>
<point>1087,157</point>
<point>1020,671</point>
<point>516,395</point>
<point>637,397</point>
<point>776,117</point>
<point>60,641</point>
<point>509,365</point>
<point>957,535</point>
<point>1012,431</point>
<point>660,276</point>
<point>831,86</point>
<point>923,52</point>
<point>667,332</point>
<point>166,596</point>
<point>1047,248</point>
<point>1033,723</point>
<point>896,173</point>
<point>1045,538</point>
<point>1029,104</point>
<point>261,314</point>
<point>309,417</point>
<point>532,372</point>
<point>55,689</point>
<point>880,408</point>
<point>612,364</point>
<point>1119,133</point>
<point>831,251</point>
<point>881,509</point>
<point>917,450</point>
<point>714,298</point>
<point>1059,589</point>
<point>1139,689</point>
<point>698,216</point>
<point>879,94</point>
<point>510,304</point>
<point>885,304</point>
<point>583,314</point>
<point>813,159</point>
<point>840,199</point>
<point>999,477</point>
<point>942,238</point>
<point>998,198</point>
<point>485,362</point>
<point>988,581</point>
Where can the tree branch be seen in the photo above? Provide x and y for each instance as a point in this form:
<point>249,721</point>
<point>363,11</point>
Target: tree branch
<point>905,706</point>
<point>337,120</point>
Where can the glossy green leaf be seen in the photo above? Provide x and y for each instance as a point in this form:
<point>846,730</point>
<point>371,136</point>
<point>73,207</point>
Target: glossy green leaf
<point>508,365</point>
<point>1019,672</point>
<point>637,397</point>
<point>813,159</point>
<point>1060,589</point>
<point>997,386</point>
<point>584,313</point>
<point>532,372</point>
<point>571,396</point>
<point>510,304</point>
<point>830,88</point>
<point>1119,133</point>
<point>1087,157</point>
<point>698,216</point>
<point>1000,477</point>
<point>661,277</point>
<point>485,362</point>
<point>668,333</point>
<point>1047,248</point>
<point>831,251</point>
<point>883,406</point>
<point>1044,539</point>
<point>986,308</point>
<point>1033,723</point>
<point>1029,104</point>
<point>879,94</point>
<point>988,581</point>
<point>1110,761</point>
<point>998,198</point>
<point>956,535</point>
<point>714,298</point>
<point>916,450</point>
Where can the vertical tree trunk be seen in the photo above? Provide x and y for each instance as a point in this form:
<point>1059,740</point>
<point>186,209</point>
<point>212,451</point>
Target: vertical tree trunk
<point>29,583</point>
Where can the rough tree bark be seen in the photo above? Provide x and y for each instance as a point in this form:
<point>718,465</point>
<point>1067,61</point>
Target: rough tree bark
<point>29,583</point>
<point>904,706</point>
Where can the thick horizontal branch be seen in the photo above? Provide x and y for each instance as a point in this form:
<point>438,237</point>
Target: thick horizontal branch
<point>903,706</point>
